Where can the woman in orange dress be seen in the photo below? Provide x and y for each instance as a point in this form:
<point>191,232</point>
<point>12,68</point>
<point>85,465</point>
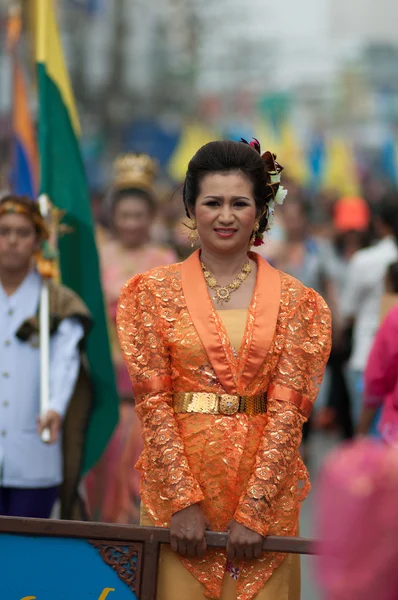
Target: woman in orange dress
<point>113,486</point>
<point>226,355</point>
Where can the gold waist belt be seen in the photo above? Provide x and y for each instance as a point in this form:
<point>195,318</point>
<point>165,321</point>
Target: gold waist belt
<point>218,404</point>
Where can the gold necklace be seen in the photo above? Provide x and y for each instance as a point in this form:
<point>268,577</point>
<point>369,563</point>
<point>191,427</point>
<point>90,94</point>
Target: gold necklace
<point>222,293</point>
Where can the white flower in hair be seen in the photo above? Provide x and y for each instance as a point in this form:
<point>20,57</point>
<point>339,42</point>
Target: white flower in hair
<point>275,177</point>
<point>280,195</point>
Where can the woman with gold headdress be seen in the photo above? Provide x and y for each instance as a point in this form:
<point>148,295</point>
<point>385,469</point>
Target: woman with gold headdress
<point>130,208</point>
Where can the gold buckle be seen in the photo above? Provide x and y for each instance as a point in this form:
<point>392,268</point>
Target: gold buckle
<point>227,404</point>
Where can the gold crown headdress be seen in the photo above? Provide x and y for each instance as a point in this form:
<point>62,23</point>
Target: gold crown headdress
<point>134,171</point>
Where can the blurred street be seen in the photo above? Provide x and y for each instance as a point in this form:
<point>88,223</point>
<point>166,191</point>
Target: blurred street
<point>321,445</point>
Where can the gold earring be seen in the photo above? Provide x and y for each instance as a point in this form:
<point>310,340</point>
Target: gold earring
<point>254,235</point>
<point>193,235</point>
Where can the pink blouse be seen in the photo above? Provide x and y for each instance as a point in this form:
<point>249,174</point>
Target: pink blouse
<point>118,264</point>
<point>381,377</point>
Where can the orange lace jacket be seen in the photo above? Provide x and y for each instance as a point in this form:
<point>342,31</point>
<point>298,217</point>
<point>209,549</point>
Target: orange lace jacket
<point>241,467</point>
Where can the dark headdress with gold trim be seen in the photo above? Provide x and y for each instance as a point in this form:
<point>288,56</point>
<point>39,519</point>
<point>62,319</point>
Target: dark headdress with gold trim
<point>23,205</point>
<point>46,257</point>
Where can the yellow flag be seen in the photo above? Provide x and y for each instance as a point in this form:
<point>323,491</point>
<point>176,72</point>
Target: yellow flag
<point>194,135</point>
<point>50,55</point>
<point>292,155</point>
<point>340,168</point>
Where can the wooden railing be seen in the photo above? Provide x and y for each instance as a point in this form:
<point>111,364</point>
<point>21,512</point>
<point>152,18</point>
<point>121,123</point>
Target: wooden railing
<point>143,542</point>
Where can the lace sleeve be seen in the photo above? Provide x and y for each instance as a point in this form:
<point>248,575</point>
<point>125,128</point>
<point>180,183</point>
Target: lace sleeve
<point>293,390</point>
<point>148,362</point>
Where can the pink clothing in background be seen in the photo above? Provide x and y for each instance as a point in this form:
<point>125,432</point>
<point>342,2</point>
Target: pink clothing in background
<point>357,523</point>
<point>381,377</point>
<point>118,265</point>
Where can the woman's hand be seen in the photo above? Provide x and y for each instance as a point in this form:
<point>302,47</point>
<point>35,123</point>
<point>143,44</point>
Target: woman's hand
<point>243,543</point>
<point>187,531</point>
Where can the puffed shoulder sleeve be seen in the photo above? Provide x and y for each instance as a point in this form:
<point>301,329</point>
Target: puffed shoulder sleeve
<point>292,392</point>
<point>142,339</point>
<point>301,366</point>
<point>141,328</point>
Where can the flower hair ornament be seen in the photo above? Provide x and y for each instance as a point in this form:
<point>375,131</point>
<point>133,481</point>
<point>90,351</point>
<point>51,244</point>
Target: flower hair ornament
<point>275,192</point>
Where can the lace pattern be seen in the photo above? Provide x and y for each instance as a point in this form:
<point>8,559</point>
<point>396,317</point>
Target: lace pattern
<point>240,466</point>
<point>164,466</point>
<point>305,331</point>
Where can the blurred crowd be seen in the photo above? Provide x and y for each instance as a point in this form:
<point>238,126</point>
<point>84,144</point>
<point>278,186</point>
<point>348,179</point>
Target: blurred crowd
<point>343,247</point>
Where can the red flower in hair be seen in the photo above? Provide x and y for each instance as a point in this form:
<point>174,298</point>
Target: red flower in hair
<point>256,145</point>
<point>253,144</point>
<point>258,241</point>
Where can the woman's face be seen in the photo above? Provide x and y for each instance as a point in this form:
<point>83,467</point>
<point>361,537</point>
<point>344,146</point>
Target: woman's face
<point>225,212</point>
<point>132,220</point>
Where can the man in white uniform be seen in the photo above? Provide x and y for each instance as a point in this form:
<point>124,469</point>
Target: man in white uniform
<point>31,471</point>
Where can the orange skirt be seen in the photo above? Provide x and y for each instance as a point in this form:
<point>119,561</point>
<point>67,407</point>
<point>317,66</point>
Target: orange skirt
<point>176,583</point>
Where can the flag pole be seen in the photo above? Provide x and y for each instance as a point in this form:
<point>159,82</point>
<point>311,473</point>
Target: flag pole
<point>44,319</point>
<point>14,32</point>
<point>44,204</point>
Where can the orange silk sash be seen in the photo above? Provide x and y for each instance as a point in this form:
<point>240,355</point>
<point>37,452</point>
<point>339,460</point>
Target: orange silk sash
<point>280,392</point>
